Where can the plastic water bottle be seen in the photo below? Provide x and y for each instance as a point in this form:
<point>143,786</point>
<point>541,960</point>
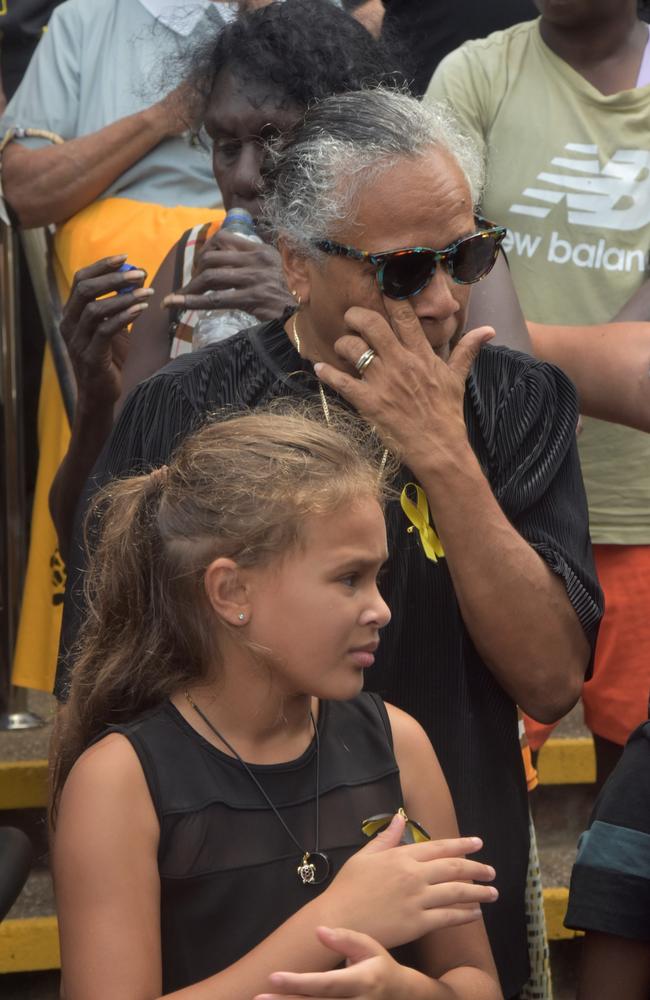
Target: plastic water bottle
<point>218,324</point>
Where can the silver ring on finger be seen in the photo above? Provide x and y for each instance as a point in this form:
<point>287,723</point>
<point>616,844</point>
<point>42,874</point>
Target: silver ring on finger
<point>366,359</point>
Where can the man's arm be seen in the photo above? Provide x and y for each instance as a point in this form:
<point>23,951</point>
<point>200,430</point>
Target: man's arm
<point>613,967</point>
<point>609,898</point>
<point>50,184</point>
<point>46,184</point>
<point>609,363</point>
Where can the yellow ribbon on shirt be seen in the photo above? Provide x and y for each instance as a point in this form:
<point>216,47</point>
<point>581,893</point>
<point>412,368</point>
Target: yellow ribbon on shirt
<point>418,515</point>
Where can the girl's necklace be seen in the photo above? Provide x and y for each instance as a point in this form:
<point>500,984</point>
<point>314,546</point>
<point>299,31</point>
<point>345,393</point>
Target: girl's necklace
<point>315,865</point>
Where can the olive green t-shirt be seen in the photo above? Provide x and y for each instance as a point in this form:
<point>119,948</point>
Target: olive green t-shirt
<point>569,174</point>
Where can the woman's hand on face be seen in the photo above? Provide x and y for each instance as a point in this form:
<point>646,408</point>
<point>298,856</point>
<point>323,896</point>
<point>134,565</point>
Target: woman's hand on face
<point>397,893</point>
<point>236,273</point>
<point>370,973</point>
<point>95,329</point>
<point>413,397</point>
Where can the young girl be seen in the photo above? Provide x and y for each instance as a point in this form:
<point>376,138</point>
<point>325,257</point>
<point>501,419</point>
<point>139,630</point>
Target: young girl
<point>218,758</point>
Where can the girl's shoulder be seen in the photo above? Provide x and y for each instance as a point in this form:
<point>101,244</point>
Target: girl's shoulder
<point>107,780</point>
<point>409,738</point>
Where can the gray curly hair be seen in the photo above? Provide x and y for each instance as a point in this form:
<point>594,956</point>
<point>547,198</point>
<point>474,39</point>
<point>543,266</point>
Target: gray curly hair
<point>314,173</point>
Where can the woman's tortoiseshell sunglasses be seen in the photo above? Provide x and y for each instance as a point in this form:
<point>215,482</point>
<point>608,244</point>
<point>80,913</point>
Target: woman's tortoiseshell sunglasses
<point>403,273</point>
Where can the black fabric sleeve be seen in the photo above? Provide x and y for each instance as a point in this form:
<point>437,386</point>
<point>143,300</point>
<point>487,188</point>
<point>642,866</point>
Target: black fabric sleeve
<point>534,470</point>
<point>610,881</point>
<point>156,417</point>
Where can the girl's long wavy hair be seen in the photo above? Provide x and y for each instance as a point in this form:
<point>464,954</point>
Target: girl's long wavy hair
<point>240,487</point>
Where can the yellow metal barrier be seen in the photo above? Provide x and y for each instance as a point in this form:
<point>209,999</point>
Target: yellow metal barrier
<point>30,945</point>
<point>23,784</point>
<point>568,761</point>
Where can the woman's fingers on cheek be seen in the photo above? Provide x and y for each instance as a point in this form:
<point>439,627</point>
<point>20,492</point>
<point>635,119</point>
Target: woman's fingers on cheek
<point>350,348</point>
<point>404,322</point>
<point>371,326</point>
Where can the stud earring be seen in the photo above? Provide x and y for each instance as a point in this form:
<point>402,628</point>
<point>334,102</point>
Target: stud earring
<point>297,298</point>
<point>241,616</point>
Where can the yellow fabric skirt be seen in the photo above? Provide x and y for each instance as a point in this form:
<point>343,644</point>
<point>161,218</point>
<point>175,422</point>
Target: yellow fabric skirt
<point>146,233</point>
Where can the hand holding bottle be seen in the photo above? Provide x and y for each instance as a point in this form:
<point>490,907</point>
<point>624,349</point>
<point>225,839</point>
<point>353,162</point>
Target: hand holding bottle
<point>238,282</point>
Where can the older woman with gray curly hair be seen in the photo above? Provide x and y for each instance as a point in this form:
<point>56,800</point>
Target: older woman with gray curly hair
<point>490,579</point>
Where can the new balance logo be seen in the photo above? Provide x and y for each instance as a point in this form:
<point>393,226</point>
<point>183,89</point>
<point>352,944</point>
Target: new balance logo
<point>616,196</point>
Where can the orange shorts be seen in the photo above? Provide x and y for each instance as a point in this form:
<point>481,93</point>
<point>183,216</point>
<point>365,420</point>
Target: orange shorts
<point>615,699</point>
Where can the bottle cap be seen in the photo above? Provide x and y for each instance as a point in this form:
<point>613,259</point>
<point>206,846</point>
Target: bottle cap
<point>127,288</point>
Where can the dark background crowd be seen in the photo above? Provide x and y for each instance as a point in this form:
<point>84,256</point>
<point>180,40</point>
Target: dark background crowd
<point>444,208</point>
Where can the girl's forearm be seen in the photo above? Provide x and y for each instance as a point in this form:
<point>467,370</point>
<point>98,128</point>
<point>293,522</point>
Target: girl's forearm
<point>459,984</point>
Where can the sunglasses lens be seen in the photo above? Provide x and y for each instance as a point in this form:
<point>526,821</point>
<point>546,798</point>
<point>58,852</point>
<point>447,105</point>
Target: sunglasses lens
<point>474,258</point>
<point>406,273</point>
<point>371,827</point>
<point>413,832</point>
<point>419,834</point>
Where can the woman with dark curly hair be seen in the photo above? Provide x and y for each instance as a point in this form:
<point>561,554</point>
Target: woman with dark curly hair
<point>253,81</point>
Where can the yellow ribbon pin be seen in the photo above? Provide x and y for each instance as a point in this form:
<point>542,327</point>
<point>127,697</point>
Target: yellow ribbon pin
<point>419,518</point>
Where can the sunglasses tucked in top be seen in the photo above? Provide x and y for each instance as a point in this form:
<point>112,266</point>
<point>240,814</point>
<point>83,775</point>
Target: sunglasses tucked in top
<point>413,832</point>
<point>403,273</point>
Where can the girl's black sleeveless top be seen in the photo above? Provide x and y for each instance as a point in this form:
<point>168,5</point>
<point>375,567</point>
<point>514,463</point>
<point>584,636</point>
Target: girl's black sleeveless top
<point>227,867</point>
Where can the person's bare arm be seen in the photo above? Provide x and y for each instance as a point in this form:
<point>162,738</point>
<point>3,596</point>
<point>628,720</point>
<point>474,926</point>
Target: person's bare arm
<point>465,950</point>
<point>609,363</point>
<point>613,967</point>
<point>371,15</point>
<point>50,184</point>
<point>97,337</point>
<point>494,302</point>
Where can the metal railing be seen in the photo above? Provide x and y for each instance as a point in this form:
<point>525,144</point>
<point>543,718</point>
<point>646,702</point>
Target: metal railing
<point>14,712</point>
